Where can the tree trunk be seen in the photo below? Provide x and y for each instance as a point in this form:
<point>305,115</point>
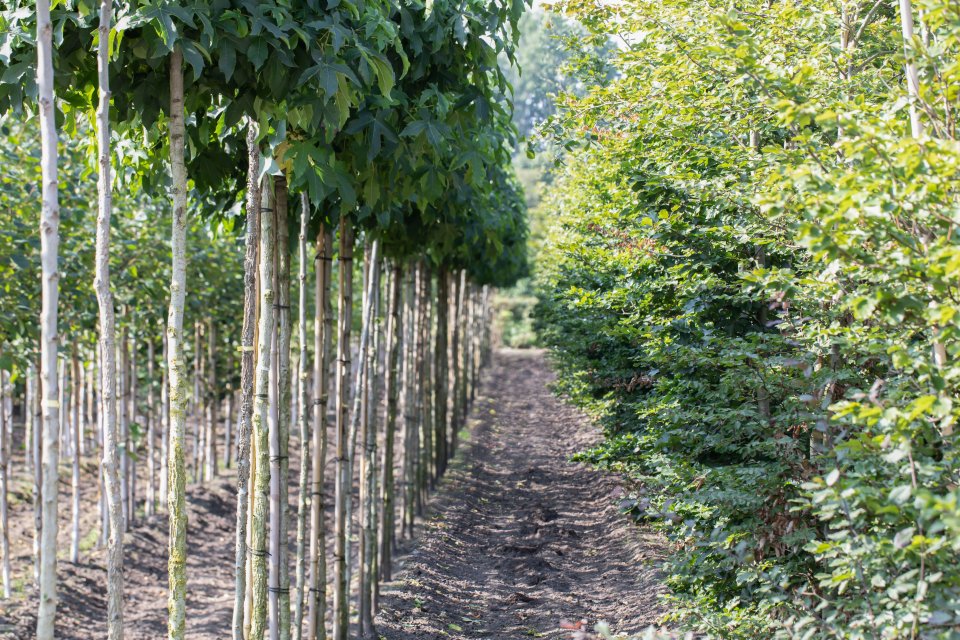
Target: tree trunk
<point>464,353</point>
<point>132,450</point>
<point>410,406</point>
<point>75,466</point>
<point>302,420</point>
<point>32,442</point>
<point>151,497</point>
<point>280,426</point>
<point>425,477</point>
<point>4,482</point>
<point>107,413</point>
<point>284,383</point>
<point>440,375</point>
<point>261,418</point>
<point>341,602</point>
<point>163,482</point>
<point>913,80</point>
<point>49,296</point>
<point>228,426</point>
<point>323,343</point>
<point>388,513</point>
<point>247,375</point>
<point>199,398</point>
<point>176,501</point>
<point>123,427</point>
<point>368,397</point>
<point>212,402</point>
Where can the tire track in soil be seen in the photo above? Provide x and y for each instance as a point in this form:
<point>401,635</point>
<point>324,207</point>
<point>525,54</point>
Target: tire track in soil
<point>521,538</point>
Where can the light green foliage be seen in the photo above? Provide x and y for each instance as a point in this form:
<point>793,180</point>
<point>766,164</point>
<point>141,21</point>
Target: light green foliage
<point>756,324</point>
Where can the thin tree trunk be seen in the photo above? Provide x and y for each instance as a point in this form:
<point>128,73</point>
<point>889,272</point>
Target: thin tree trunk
<point>388,514</point>
<point>123,427</point>
<point>454,362</point>
<point>199,398</point>
<point>302,420</point>
<point>913,79</point>
<point>323,342</point>
<point>107,413</point>
<point>49,296</point>
<point>464,353</point>
<point>261,418</point>
<point>341,601</point>
<point>228,427</point>
<point>75,467</point>
<point>176,501</point>
<point>247,375</point>
<point>427,375</point>
<point>212,401</point>
<point>132,450</point>
<point>32,441</point>
<point>4,482</point>
<point>368,397</point>
<point>284,383</point>
<point>163,483</point>
<point>276,507</point>
<point>440,379</point>
<point>151,503</point>
<point>410,406</point>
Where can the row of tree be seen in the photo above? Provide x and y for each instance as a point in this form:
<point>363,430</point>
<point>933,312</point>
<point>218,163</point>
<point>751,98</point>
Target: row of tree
<point>391,124</point>
<point>753,280</point>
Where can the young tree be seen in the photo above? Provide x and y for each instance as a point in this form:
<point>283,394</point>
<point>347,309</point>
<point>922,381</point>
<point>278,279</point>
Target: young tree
<point>108,372</point>
<point>49,391</point>
<point>176,500</point>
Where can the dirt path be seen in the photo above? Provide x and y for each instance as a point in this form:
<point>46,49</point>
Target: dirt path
<point>522,538</point>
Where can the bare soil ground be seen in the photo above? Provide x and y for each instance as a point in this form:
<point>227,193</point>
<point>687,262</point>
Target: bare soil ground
<point>522,539</point>
<point>517,540</point>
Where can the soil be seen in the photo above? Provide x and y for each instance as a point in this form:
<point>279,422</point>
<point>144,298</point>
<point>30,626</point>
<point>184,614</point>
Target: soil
<point>522,540</point>
<point>516,542</point>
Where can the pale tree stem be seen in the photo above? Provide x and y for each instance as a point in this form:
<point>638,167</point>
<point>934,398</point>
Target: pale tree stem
<point>388,510</point>
<point>341,596</point>
<point>247,375</point>
<point>302,420</point>
<point>913,80</point>
<point>108,332</point>
<point>261,419</point>
<point>49,296</point>
<point>176,499</point>
<point>323,342</point>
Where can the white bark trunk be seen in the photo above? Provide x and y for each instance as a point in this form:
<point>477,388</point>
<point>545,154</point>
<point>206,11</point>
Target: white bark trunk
<point>49,295</point>
<point>246,380</point>
<point>176,499</point>
<point>108,372</point>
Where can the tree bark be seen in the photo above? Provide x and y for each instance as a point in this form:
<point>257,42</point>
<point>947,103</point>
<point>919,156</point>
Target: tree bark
<point>176,500</point>
<point>261,418</point>
<point>107,412</point>
<point>323,343</point>
<point>151,497</point>
<point>32,442</point>
<point>388,512</point>
<point>212,402</point>
<point>284,383</point>
<point>247,375</point>
<point>4,482</point>
<point>440,379</point>
<point>410,406</point>
<point>343,481</point>
<point>302,420</point>
<point>49,296</point>
<point>75,466</point>
<point>368,397</point>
